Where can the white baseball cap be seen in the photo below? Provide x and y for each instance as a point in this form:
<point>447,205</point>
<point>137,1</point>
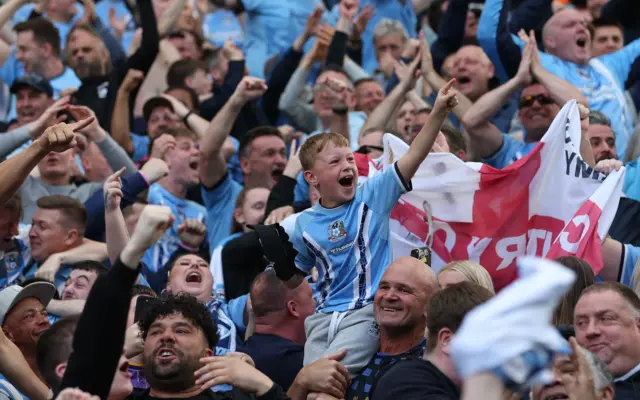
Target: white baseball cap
<point>12,295</point>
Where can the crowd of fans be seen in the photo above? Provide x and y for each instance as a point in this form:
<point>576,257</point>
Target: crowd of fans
<point>183,212</point>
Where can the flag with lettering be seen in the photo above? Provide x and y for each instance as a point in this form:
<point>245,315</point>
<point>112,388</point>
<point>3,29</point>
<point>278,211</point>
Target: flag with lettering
<point>549,203</point>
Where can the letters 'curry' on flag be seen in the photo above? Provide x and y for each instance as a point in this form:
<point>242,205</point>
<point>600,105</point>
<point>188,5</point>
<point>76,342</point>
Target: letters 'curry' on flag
<point>549,203</point>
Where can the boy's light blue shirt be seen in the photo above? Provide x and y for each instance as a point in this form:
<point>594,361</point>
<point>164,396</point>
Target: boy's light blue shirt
<point>182,209</point>
<point>349,244</point>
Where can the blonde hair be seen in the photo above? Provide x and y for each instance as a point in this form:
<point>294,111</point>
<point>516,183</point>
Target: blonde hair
<point>472,271</point>
<point>315,144</point>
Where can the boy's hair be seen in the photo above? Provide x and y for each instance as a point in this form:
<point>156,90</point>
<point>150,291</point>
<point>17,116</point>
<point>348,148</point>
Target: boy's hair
<point>13,205</point>
<point>314,145</point>
<point>44,31</point>
<point>54,348</point>
<point>448,307</point>
<point>190,308</point>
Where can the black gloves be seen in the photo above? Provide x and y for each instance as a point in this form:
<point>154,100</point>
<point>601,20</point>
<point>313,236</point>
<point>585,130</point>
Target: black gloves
<point>278,250</point>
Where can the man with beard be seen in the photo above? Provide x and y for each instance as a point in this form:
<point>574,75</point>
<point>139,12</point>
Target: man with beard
<point>184,161</point>
<point>23,317</point>
<point>179,336</point>
<point>89,58</point>
<point>540,100</point>
<point>601,137</point>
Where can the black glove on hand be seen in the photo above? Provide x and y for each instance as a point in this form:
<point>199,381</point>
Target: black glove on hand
<point>278,249</point>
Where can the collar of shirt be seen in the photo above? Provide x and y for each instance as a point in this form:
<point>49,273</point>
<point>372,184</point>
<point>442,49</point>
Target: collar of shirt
<point>628,374</point>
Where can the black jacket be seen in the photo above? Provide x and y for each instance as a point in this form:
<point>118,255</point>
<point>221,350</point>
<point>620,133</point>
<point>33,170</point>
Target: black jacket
<point>99,92</point>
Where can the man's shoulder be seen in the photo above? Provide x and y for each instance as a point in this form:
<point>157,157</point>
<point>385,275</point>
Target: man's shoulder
<point>413,377</point>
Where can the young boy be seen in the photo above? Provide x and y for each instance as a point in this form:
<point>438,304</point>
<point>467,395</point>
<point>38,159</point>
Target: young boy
<point>346,236</point>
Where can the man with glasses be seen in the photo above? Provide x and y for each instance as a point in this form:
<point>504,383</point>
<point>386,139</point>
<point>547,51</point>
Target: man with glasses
<point>542,96</point>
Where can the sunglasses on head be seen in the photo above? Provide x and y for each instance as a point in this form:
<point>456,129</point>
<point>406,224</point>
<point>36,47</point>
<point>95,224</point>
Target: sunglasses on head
<point>527,101</point>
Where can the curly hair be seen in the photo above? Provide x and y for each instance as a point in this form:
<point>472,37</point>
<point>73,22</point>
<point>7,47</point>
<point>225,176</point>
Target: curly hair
<point>190,308</point>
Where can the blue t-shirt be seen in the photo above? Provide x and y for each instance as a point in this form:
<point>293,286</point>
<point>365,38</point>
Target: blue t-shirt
<point>511,150</point>
<point>220,203</point>
<point>349,244</point>
<point>631,185</point>
<point>221,25</point>
<point>182,209</point>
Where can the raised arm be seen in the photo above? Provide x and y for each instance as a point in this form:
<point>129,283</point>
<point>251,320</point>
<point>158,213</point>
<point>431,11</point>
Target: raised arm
<point>115,155</point>
<point>436,82</point>
<point>115,228</point>
<point>496,40</point>
<point>213,165</point>
<point>58,138</point>
<point>143,58</point>
<point>120,123</point>
<point>421,145</point>
<point>383,113</point>
<point>88,250</point>
<point>8,9</point>
<point>486,138</point>
<point>104,319</point>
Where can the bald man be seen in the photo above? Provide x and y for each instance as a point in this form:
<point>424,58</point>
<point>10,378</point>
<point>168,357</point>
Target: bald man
<point>277,346</point>
<point>400,306</point>
<point>473,70</point>
<point>567,42</point>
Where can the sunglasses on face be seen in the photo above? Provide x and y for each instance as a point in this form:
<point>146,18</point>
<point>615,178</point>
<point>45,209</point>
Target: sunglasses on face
<point>368,149</point>
<point>527,101</point>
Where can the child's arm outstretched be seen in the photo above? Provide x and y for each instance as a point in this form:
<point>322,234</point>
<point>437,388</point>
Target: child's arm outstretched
<point>421,146</point>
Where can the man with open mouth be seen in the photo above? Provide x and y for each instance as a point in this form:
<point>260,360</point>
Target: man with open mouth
<point>567,42</point>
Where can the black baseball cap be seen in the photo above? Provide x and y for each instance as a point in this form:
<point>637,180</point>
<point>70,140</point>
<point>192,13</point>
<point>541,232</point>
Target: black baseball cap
<point>152,104</point>
<point>34,81</point>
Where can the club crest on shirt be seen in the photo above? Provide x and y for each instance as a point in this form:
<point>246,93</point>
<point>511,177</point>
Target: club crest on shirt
<point>336,231</point>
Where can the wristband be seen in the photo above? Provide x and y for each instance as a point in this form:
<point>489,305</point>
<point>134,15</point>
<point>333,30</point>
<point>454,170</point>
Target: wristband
<point>186,117</point>
<point>341,110</point>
